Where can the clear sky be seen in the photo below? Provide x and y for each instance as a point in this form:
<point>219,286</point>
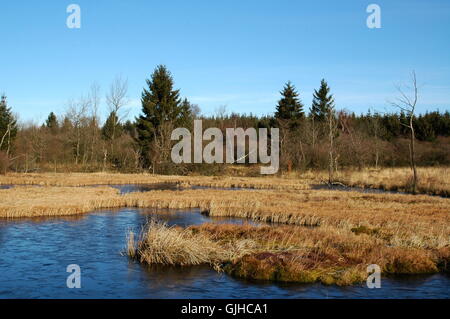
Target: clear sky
<point>233,53</point>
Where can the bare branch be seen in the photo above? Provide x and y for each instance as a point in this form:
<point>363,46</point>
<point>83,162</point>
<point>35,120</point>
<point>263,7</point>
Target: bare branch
<point>117,96</point>
<point>6,133</point>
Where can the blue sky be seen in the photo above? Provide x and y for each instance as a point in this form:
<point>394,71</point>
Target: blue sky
<point>233,53</point>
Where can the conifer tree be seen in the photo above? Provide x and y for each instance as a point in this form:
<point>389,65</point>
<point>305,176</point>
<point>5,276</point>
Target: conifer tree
<point>323,101</point>
<point>8,126</point>
<point>52,122</point>
<point>289,106</point>
<point>161,106</point>
<point>112,128</point>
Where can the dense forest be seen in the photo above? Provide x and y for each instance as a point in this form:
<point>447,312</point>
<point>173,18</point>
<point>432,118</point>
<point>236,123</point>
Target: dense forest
<point>310,137</point>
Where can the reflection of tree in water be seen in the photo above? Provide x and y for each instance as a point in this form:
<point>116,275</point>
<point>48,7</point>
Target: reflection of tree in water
<point>44,219</point>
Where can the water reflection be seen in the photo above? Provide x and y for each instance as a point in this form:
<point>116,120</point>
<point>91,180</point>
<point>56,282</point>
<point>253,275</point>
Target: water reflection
<point>139,188</point>
<point>132,188</point>
<point>353,189</point>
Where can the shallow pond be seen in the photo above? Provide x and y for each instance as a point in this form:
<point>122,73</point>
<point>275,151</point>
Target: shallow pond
<point>133,188</point>
<point>34,254</point>
<point>354,189</point>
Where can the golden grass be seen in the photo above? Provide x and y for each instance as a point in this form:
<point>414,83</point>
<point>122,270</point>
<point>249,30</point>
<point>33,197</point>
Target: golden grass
<point>86,179</point>
<point>406,220</point>
<point>432,180</point>
<point>30,201</point>
<point>285,253</point>
<point>159,244</point>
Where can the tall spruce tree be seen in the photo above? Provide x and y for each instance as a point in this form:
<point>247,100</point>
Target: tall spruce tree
<point>161,104</point>
<point>289,106</point>
<point>8,126</point>
<point>112,128</point>
<point>186,112</point>
<point>130,128</point>
<point>52,122</point>
<point>323,101</point>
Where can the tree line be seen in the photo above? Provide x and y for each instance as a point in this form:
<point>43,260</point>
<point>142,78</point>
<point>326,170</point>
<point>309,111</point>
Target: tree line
<point>318,137</point>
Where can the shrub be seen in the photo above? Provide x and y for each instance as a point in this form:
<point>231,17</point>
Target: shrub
<point>4,162</point>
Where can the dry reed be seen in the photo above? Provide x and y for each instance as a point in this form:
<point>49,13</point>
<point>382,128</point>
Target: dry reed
<point>432,180</point>
<point>159,244</point>
<point>286,253</point>
<point>86,179</point>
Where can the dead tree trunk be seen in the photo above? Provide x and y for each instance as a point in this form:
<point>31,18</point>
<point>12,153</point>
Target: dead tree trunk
<point>331,133</point>
<point>412,154</point>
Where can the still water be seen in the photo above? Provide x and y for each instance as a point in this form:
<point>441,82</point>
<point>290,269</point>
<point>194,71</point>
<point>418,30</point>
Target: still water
<point>34,254</point>
<point>132,188</point>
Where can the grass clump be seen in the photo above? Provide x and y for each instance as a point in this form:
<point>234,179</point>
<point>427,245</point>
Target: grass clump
<point>410,261</point>
<point>160,244</point>
<point>364,230</point>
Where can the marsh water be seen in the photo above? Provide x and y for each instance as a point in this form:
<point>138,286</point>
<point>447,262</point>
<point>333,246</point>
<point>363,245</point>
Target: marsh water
<point>132,188</point>
<point>34,255</point>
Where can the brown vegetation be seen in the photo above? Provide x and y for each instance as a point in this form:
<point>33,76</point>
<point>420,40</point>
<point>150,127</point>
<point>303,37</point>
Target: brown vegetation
<point>31,201</point>
<point>85,179</point>
<point>328,236</point>
<point>286,253</point>
<point>433,180</point>
<point>4,162</point>
<point>419,221</point>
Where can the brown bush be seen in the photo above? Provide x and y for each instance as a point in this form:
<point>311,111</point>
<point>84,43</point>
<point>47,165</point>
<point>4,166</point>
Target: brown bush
<point>4,162</point>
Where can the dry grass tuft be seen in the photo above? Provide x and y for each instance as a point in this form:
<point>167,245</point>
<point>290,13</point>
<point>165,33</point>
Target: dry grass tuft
<point>164,245</point>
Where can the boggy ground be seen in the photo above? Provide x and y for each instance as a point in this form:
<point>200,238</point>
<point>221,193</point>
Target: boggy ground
<point>432,180</point>
<point>323,235</point>
<point>86,179</point>
<point>326,236</point>
<point>326,254</point>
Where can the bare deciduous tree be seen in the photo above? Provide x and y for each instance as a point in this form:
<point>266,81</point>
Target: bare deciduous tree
<point>116,100</point>
<point>376,131</point>
<point>407,103</point>
<point>332,127</point>
<point>94,96</point>
<point>76,113</point>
